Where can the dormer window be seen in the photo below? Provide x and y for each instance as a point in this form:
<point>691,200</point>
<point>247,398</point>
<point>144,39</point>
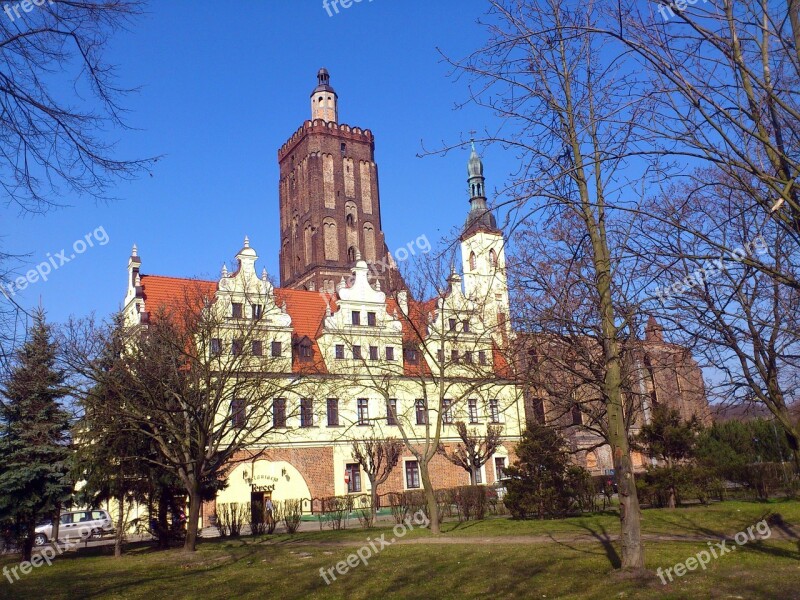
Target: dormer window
<point>411,355</point>
<point>305,351</point>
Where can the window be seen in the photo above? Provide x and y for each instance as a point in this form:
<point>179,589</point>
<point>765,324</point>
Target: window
<point>353,477</point>
<point>236,347</point>
<point>238,417</point>
<point>389,353</point>
<point>350,222</point>
<point>452,324</point>
<point>577,416</point>
<point>237,310</point>
<point>482,357</point>
<point>499,468</point>
<point>494,411</point>
<point>333,412</point>
<point>447,412</point>
<point>440,356</point>
<point>473,410</point>
<point>363,411</point>
<point>258,311</point>
<point>465,326</point>
<point>373,353</point>
<point>340,351</point>
<point>391,411</point>
<point>372,319</point>
<point>258,348</point>
<point>306,412</point>
<point>276,349</point>
<point>305,351</point>
<point>478,476</point>
<point>411,354</point>
<point>279,412</point>
<point>492,257</point>
<point>468,357</point>
<point>356,317</point>
<point>412,474</point>
<point>216,346</point>
<point>357,352</point>
<point>454,356</point>
<point>422,413</point>
<point>343,146</point>
<point>473,261</point>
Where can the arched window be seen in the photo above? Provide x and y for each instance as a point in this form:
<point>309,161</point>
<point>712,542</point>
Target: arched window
<point>473,261</point>
<point>492,258</point>
<point>351,254</point>
<point>350,221</point>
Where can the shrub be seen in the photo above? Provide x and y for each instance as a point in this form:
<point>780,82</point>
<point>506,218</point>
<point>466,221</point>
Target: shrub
<point>290,512</point>
<point>336,509</point>
<point>230,517</point>
<point>471,502</point>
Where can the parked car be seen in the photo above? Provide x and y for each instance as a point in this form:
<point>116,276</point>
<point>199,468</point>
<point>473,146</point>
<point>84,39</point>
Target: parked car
<point>77,524</point>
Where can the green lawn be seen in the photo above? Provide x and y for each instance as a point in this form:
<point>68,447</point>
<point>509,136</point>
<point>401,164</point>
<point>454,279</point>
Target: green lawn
<point>482,561</point>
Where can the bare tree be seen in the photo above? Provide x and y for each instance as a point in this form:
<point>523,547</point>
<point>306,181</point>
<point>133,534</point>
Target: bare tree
<point>569,106</point>
<point>193,384</point>
<point>726,306</point>
<point>59,98</point>
<point>474,450</point>
<point>377,457</point>
<point>725,81</point>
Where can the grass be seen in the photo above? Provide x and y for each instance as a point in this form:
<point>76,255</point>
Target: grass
<point>288,566</point>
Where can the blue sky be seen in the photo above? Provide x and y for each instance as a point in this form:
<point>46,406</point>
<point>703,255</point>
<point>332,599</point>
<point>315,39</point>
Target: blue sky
<point>223,85</point>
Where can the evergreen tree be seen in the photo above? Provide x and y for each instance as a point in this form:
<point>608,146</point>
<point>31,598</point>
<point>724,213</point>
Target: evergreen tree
<point>34,445</point>
<point>540,481</point>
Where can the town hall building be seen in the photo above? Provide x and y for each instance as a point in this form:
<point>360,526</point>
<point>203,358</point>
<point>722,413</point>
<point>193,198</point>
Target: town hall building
<point>371,359</point>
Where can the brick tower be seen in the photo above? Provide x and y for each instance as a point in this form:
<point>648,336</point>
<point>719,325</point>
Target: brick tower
<point>329,201</point>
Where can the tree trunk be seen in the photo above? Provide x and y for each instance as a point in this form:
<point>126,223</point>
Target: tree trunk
<point>56,525</point>
<point>374,500</point>
<point>430,497</point>
<point>120,533</point>
<point>162,527</point>
<point>27,545</point>
<point>195,502</point>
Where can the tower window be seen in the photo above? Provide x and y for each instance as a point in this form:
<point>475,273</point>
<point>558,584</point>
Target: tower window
<point>349,220</point>
<point>351,254</point>
<point>343,148</point>
<point>492,258</point>
<point>473,261</point>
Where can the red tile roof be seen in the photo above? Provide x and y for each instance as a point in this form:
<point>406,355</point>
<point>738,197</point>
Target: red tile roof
<point>307,310</point>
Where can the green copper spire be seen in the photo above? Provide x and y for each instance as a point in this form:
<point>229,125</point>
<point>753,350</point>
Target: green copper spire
<point>479,217</point>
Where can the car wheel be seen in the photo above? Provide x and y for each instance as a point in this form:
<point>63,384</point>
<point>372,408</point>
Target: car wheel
<point>40,539</point>
<point>95,534</point>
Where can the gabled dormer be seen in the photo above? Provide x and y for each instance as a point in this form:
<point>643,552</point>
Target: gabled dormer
<point>361,333</point>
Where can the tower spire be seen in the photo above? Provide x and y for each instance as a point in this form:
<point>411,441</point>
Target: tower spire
<point>479,217</point>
